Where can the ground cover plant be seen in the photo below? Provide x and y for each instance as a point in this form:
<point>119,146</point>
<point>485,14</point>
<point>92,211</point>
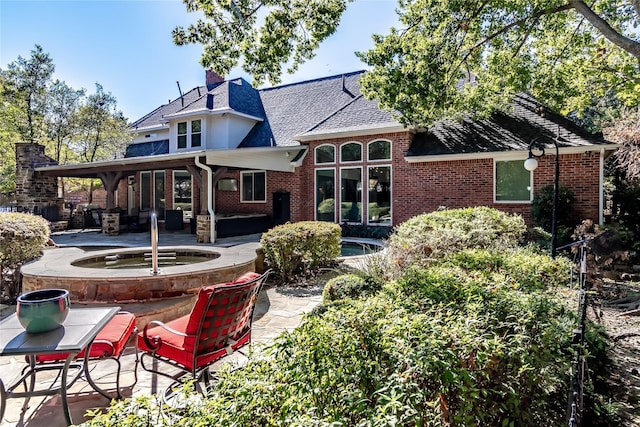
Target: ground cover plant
<point>475,336</point>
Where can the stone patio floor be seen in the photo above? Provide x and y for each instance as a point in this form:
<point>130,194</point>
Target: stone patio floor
<point>277,310</point>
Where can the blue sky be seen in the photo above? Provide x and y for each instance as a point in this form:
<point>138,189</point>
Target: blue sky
<point>126,46</point>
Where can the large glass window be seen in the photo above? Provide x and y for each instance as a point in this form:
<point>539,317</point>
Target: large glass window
<point>379,150</point>
<point>351,195</point>
<point>182,193</point>
<point>326,195</point>
<point>325,154</point>
<point>254,186</point>
<point>152,195</point>
<point>351,152</point>
<point>379,208</point>
<point>158,194</point>
<point>512,181</point>
<point>145,190</point>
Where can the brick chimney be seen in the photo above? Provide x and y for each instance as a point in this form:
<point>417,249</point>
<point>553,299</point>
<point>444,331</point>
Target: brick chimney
<point>213,78</point>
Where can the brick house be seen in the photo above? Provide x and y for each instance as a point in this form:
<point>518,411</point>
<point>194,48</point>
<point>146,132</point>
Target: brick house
<point>318,150</point>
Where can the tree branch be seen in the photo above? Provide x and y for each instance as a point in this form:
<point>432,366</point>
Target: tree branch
<point>603,26</point>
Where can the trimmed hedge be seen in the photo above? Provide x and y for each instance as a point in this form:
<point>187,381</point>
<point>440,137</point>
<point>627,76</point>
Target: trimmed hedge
<point>300,248</point>
<point>22,239</point>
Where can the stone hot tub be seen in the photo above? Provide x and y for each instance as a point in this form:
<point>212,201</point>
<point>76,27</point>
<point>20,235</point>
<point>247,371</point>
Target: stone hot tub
<point>90,280</point>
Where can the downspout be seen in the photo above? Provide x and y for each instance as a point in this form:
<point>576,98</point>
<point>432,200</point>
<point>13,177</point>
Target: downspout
<point>210,196</point>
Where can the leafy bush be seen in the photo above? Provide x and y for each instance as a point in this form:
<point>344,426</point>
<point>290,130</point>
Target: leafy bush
<point>461,343</point>
<point>300,247</point>
<point>430,236</point>
<point>22,238</point>
<point>542,211</point>
<point>347,286</point>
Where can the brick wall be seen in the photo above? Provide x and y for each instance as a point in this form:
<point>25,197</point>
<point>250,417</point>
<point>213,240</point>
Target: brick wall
<point>424,187</point>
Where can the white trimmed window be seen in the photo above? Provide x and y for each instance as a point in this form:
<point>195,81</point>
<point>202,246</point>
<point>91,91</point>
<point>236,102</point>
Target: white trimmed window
<point>351,152</point>
<point>253,186</point>
<point>351,195</point>
<point>182,186</point>
<point>325,154</point>
<point>512,182</point>
<point>326,195</point>
<point>379,150</point>
<point>189,134</point>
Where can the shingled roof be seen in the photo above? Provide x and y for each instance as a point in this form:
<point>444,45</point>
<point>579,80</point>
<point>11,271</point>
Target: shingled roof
<point>296,108</point>
<point>503,131</point>
<point>237,95</point>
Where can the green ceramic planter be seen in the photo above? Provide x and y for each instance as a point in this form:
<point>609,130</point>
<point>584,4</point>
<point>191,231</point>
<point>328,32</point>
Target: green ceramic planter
<point>43,310</point>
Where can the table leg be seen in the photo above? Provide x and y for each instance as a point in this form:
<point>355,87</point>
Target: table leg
<point>3,400</point>
<point>63,388</point>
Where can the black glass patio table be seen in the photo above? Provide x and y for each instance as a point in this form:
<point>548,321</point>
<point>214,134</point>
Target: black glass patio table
<point>78,331</point>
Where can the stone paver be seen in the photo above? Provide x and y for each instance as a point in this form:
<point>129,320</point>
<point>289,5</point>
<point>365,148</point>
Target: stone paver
<point>277,310</point>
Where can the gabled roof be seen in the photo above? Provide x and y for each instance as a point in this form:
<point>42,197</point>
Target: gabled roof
<point>503,131</point>
<point>235,95</point>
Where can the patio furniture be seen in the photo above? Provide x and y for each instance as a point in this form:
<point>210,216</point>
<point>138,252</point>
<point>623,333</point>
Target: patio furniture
<point>139,220</point>
<point>110,343</point>
<point>219,325</point>
<point>78,331</point>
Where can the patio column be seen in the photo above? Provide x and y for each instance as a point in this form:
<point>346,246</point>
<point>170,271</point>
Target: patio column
<point>110,180</point>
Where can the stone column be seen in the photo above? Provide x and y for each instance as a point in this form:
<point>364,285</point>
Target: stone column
<point>33,192</point>
<point>203,229</point>
<point>111,224</point>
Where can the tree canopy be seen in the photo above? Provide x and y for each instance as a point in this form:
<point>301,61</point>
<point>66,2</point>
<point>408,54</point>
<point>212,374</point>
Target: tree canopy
<point>72,126</point>
<point>450,57</point>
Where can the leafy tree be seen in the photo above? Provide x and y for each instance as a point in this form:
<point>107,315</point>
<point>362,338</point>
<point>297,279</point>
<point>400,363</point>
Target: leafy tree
<point>64,103</point>
<point>8,137</point>
<point>26,88</point>
<point>450,57</point>
<point>290,33</point>
<point>626,131</point>
<point>102,130</point>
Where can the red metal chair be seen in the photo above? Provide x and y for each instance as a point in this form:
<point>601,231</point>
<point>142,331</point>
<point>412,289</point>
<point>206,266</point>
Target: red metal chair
<point>108,344</point>
<point>219,324</point>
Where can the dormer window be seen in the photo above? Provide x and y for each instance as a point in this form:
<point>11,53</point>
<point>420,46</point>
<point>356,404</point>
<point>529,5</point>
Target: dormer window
<point>190,132</point>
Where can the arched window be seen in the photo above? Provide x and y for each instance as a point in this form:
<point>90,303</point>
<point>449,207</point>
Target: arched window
<point>379,150</point>
<point>325,154</point>
<point>351,152</point>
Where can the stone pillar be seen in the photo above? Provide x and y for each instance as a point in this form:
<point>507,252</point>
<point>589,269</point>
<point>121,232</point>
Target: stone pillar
<point>111,224</point>
<point>203,229</point>
<point>34,192</point>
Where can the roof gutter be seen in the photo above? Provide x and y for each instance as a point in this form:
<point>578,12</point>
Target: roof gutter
<point>512,154</point>
<point>210,200</point>
<point>347,133</point>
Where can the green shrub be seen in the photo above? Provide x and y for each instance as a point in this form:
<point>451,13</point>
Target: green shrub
<point>426,237</point>
<point>347,286</point>
<point>542,211</point>
<point>22,238</point>
<point>462,343</point>
<point>300,247</point>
